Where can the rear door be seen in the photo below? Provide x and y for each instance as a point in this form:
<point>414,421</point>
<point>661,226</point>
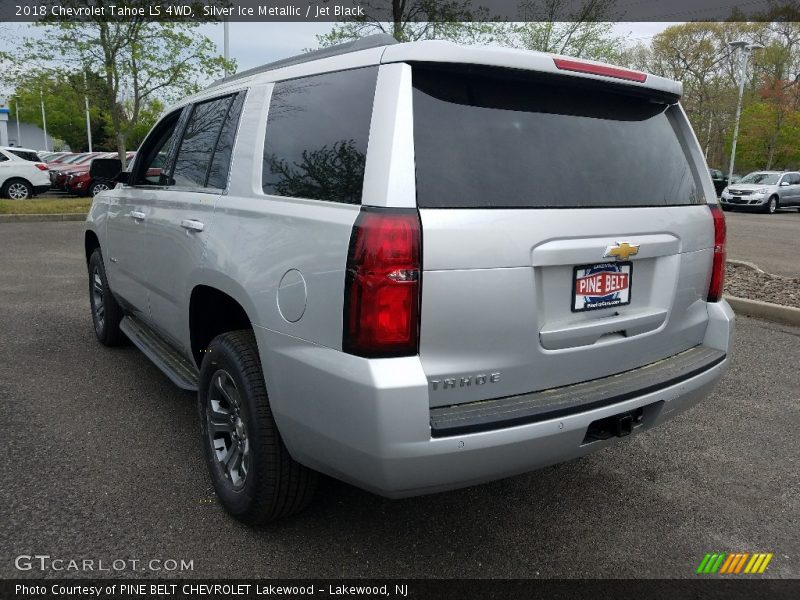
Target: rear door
<point>565,229</point>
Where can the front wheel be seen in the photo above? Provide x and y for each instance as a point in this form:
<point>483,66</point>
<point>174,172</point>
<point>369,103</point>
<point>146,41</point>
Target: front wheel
<point>252,472</point>
<point>97,187</point>
<point>106,313</point>
<point>772,205</point>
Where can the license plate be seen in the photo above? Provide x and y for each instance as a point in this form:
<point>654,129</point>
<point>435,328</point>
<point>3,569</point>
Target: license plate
<point>736,198</point>
<point>602,285</point>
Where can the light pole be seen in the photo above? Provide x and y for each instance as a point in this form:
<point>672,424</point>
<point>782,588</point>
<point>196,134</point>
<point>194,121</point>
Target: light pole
<point>746,48</point>
<point>44,122</point>
<point>225,48</point>
<point>16,112</point>
<point>88,120</point>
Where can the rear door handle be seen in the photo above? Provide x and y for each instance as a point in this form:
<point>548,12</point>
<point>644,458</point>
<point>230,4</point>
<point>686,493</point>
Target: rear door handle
<point>192,225</point>
<point>137,214</point>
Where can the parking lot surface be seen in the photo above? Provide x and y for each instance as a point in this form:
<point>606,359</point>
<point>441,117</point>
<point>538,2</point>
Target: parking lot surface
<point>770,241</point>
<point>102,461</point>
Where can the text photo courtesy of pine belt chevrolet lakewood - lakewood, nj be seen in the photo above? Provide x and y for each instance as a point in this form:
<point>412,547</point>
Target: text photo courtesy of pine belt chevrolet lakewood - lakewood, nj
<point>433,300</point>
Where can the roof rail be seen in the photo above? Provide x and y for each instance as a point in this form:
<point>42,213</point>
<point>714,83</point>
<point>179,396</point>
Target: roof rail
<point>364,43</point>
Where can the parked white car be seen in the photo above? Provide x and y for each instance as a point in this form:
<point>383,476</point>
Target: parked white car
<point>20,177</point>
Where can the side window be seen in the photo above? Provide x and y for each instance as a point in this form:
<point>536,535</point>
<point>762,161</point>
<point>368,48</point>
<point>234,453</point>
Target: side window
<point>317,132</point>
<point>151,157</point>
<point>221,161</point>
<point>794,178</point>
<point>3,158</point>
<point>193,160</point>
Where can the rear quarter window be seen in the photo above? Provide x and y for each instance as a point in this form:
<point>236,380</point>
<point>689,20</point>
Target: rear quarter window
<point>317,133</point>
<point>31,156</point>
<point>493,138</point>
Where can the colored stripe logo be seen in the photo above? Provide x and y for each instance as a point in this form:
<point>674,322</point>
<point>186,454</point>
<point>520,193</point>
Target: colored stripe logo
<point>734,563</point>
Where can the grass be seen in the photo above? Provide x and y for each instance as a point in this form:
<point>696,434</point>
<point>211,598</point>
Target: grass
<point>45,206</point>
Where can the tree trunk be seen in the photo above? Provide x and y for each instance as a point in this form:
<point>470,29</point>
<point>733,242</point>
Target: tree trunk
<point>121,150</point>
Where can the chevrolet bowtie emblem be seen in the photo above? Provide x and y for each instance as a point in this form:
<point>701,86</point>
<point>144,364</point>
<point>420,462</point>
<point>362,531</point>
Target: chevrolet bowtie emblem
<point>622,251</point>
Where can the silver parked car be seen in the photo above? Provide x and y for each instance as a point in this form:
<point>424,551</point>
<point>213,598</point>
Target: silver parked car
<point>763,190</point>
<point>415,267</point>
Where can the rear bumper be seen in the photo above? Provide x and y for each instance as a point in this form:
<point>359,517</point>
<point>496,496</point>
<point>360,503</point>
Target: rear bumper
<point>368,422</point>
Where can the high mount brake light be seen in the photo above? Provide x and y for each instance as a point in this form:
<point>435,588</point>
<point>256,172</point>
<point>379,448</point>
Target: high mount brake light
<point>382,284</point>
<point>615,72</point>
<point>715,288</point>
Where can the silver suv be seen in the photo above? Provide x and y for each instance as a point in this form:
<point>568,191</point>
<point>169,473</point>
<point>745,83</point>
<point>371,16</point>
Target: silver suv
<point>765,191</point>
<point>415,267</point>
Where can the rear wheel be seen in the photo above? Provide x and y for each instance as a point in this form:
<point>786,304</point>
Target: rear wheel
<point>106,313</point>
<point>17,189</point>
<point>772,205</point>
<point>251,470</point>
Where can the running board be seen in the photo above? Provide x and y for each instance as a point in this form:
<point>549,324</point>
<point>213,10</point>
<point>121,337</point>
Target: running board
<point>174,365</point>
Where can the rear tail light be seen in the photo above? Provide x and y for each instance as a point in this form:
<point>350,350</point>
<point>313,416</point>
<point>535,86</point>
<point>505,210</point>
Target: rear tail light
<point>718,270</point>
<point>583,67</point>
<point>382,284</point>
<point>42,167</point>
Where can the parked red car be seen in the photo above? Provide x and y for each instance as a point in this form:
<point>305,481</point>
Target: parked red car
<point>62,171</point>
<point>80,183</point>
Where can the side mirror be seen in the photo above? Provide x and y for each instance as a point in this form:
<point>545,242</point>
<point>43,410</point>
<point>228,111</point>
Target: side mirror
<point>784,183</point>
<point>105,168</point>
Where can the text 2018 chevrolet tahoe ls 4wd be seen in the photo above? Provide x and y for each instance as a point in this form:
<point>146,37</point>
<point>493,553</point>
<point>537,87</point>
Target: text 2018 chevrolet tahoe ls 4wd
<point>416,267</point>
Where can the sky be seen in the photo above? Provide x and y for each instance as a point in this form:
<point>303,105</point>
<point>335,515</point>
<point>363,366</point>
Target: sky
<point>254,44</point>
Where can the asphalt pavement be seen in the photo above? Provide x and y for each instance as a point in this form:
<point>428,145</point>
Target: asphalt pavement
<point>770,241</point>
<point>102,461</point>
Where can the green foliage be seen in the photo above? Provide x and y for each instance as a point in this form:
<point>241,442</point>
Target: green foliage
<point>760,138</point>
<point>143,64</point>
<point>63,95</point>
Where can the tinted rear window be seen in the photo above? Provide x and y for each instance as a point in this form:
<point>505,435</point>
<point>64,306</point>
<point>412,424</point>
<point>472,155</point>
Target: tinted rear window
<point>490,140</point>
<point>31,156</point>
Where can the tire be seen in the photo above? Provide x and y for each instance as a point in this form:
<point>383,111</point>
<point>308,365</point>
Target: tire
<point>771,206</point>
<point>254,476</point>
<point>97,187</point>
<point>106,313</point>
<point>17,189</point>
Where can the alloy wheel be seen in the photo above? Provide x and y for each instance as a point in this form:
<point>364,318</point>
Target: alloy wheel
<point>18,191</point>
<point>98,298</point>
<point>99,187</point>
<point>227,430</point>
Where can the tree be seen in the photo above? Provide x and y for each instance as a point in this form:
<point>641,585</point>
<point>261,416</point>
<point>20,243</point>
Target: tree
<point>63,95</point>
<point>556,26</point>
<point>140,61</point>
<point>549,25</point>
<point>412,20</point>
